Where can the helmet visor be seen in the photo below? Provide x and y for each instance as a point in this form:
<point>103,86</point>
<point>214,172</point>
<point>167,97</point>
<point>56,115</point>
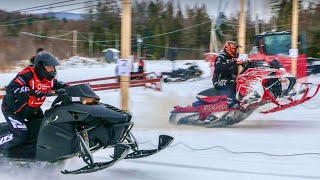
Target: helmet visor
<point>51,61</point>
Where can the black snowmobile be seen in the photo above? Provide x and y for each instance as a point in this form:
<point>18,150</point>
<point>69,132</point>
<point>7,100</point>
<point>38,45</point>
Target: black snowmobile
<point>193,71</point>
<point>77,124</point>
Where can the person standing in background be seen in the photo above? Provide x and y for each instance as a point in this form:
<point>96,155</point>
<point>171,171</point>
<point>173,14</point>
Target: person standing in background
<point>34,56</point>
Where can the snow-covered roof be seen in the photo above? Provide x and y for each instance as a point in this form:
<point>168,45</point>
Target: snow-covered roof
<point>111,49</point>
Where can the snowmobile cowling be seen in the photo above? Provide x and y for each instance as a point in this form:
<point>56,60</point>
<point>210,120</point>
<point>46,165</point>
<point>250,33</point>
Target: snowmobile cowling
<point>73,128</point>
<point>257,86</point>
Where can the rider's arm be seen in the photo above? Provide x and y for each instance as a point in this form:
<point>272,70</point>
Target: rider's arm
<point>223,63</point>
<point>220,64</point>
<point>215,77</point>
<point>18,87</point>
<point>58,84</point>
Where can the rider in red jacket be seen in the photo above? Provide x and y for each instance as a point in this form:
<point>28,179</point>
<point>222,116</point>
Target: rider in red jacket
<point>24,96</point>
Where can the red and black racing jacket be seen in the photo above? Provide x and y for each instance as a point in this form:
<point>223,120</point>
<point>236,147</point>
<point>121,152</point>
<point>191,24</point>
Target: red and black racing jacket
<point>225,71</point>
<point>18,99</point>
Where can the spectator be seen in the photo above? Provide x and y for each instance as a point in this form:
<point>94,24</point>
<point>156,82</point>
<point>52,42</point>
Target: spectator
<point>34,56</point>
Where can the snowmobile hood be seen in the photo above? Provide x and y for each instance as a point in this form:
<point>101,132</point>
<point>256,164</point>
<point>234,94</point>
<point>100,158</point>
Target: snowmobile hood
<point>81,90</point>
<point>78,112</point>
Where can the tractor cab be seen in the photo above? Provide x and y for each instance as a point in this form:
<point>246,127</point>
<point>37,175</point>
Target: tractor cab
<point>271,45</point>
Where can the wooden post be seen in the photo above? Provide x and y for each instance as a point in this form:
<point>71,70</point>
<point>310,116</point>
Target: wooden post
<point>90,44</point>
<point>139,39</point>
<point>116,40</point>
<point>294,37</point>
<point>75,39</point>
<point>213,39</point>
<point>242,30</point>
<point>125,50</point>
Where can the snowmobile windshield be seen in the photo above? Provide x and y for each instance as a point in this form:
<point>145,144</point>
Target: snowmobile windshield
<point>81,91</point>
<point>277,44</point>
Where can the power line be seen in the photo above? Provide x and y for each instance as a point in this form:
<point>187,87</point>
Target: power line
<point>174,47</point>
<point>176,30</point>
<point>45,8</point>
<point>52,19</point>
<point>39,6</point>
<point>52,7</point>
<point>57,37</point>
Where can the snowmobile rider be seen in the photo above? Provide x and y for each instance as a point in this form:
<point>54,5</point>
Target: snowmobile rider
<point>24,96</point>
<point>226,71</point>
<point>34,56</point>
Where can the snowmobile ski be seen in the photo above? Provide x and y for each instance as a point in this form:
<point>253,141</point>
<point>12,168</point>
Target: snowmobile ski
<point>164,141</point>
<point>120,152</point>
<point>303,99</point>
<point>230,118</point>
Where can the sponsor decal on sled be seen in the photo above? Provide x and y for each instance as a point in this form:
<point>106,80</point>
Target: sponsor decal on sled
<point>17,124</point>
<point>215,107</point>
<point>6,138</point>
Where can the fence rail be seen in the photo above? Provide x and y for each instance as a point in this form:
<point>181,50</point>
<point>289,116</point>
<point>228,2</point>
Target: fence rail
<point>147,80</point>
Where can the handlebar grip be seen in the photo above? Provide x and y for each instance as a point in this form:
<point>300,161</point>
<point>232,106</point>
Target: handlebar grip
<point>55,92</point>
<point>51,93</point>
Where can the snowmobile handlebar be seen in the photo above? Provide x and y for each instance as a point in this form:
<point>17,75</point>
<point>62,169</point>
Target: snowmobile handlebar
<point>55,92</point>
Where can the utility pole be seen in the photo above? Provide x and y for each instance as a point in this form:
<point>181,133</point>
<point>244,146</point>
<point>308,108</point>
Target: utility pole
<point>256,25</point>
<point>166,49</point>
<point>75,39</point>
<point>139,41</point>
<point>294,37</point>
<point>107,40</point>
<point>125,50</point>
<point>39,28</point>
<point>242,30</point>
<point>116,40</point>
<point>213,39</point>
<point>90,44</point>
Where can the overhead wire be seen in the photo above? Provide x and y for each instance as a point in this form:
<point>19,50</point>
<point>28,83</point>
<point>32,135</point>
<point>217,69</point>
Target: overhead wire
<point>66,5</point>
<point>52,19</point>
<point>174,47</point>
<point>206,22</point>
<point>35,16</point>
<point>53,37</point>
<point>57,37</point>
<point>38,6</point>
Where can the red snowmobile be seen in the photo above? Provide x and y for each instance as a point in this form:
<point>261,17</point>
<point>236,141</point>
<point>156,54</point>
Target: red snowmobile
<point>258,85</point>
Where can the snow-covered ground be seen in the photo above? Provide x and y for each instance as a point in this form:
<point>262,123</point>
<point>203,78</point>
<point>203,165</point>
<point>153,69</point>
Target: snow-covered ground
<point>274,146</point>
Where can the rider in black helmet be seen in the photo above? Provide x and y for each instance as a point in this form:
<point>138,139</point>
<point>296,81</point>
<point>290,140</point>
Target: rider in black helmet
<point>42,60</point>
<point>24,96</point>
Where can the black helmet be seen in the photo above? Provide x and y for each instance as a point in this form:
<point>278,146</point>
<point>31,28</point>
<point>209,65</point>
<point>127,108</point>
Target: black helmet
<point>45,59</point>
<point>39,50</point>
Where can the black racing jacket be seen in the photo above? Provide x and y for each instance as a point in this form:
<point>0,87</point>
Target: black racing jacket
<point>225,71</point>
<point>18,94</point>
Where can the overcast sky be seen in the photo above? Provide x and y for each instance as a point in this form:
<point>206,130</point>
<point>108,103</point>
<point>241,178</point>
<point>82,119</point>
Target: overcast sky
<point>259,7</point>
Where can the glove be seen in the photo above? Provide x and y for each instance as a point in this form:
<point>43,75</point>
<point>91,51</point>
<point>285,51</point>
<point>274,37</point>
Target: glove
<point>37,93</point>
<point>239,61</point>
